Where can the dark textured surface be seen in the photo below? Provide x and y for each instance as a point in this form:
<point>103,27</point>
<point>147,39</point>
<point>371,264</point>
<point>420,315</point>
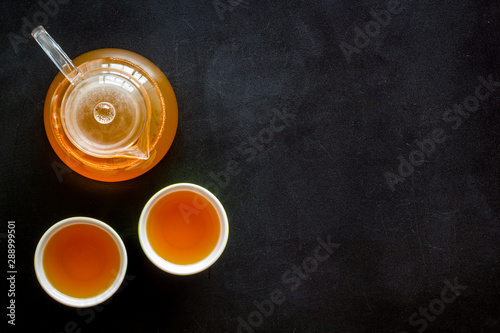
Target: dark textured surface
<point>320,176</point>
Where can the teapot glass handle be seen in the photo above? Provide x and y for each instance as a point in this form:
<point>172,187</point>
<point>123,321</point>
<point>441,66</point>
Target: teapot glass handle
<point>56,54</point>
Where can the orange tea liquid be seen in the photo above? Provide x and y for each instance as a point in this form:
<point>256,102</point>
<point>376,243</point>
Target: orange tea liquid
<point>183,227</point>
<point>163,126</point>
<point>81,260</point>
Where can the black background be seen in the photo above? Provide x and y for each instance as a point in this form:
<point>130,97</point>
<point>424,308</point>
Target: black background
<point>322,176</point>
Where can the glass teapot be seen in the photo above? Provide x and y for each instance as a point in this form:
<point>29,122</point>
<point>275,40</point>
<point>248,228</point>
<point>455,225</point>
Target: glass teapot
<point>111,114</point>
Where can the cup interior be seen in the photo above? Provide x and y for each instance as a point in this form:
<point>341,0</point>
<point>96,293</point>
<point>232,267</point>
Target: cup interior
<point>185,269</point>
<point>69,300</point>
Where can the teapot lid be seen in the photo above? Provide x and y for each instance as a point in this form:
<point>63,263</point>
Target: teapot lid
<point>105,111</point>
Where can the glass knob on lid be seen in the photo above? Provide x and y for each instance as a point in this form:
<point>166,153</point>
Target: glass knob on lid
<point>104,112</point>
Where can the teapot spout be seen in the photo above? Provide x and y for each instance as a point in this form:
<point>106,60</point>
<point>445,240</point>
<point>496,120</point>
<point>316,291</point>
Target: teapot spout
<point>134,152</point>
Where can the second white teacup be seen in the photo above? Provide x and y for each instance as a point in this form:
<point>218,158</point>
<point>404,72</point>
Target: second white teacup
<point>183,229</point>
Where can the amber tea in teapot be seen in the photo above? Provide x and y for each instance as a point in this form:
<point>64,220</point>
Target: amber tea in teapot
<point>110,114</point>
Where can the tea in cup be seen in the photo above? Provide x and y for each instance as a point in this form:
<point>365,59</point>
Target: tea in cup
<point>183,229</point>
<point>80,261</point>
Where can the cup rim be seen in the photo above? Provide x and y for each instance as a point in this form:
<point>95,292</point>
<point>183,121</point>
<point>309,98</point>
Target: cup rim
<point>187,269</point>
<point>70,300</point>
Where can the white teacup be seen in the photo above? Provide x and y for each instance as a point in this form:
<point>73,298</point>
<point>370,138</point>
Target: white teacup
<point>84,251</point>
<point>191,268</point>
